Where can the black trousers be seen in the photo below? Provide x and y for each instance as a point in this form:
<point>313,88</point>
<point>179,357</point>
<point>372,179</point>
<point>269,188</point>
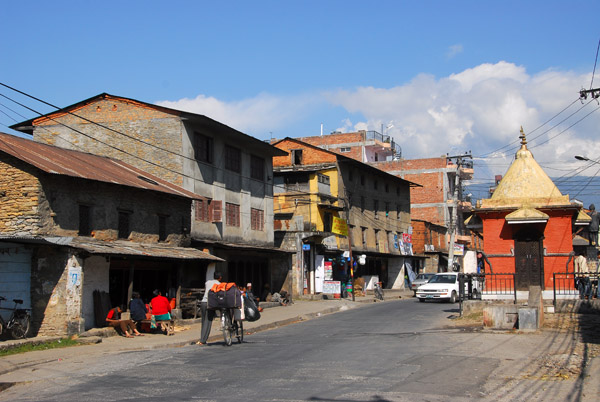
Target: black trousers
<point>207,319</point>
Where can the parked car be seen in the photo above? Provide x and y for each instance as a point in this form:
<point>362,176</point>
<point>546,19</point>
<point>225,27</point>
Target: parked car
<point>421,279</point>
<point>444,286</point>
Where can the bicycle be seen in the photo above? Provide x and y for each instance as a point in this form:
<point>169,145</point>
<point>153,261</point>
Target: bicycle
<point>19,321</point>
<point>231,326</point>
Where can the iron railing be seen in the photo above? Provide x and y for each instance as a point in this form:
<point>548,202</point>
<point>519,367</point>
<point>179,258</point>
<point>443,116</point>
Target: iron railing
<point>568,285</point>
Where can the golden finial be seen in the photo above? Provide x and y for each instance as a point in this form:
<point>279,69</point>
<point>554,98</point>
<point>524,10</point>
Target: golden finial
<point>522,137</point>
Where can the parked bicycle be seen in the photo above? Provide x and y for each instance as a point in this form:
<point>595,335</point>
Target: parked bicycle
<point>19,321</point>
<point>231,326</point>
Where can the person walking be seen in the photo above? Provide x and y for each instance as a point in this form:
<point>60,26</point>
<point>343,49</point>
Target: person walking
<point>207,315</point>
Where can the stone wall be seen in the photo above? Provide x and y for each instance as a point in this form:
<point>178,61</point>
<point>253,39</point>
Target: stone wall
<point>20,194</point>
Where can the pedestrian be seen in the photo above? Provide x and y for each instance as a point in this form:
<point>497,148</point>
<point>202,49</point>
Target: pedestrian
<point>207,315</point>
<point>127,327</point>
<point>161,308</point>
<point>594,225</point>
<point>582,271</point>
<point>137,309</point>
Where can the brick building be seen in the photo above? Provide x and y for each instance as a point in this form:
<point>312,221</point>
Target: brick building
<point>317,190</point>
<point>232,171</point>
<point>527,225</point>
<point>73,223</point>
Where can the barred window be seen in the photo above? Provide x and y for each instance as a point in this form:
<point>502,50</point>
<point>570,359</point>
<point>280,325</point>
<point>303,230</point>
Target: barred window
<point>233,159</point>
<point>202,210</point>
<point>232,214</point>
<point>257,219</point>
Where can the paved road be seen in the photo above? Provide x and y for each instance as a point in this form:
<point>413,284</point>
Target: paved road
<point>392,351</point>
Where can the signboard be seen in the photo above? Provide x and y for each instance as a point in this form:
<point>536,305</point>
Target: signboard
<point>339,226</point>
<point>328,270</point>
<point>406,238</point>
<point>459,249</point>
<point>332,287</point>
<point>306,247</point>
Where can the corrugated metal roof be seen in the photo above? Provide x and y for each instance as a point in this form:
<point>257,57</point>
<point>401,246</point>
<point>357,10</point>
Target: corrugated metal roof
<point>123,247</point>
<point>55,160</point>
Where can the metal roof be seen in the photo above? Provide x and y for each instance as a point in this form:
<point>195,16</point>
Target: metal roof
<point>124,247</point>
<point>117,247</point>
<point>60,161</point>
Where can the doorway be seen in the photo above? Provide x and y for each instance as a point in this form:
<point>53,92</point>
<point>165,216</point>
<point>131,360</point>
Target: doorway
<point>529,263</point>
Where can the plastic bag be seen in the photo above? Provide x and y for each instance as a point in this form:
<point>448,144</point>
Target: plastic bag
<point>250,309</point>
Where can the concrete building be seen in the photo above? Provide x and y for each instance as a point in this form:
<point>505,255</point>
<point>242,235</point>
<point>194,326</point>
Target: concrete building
<point>72,224</point>
<point>232,171</point>
<point>323,199</point>
<point>439,199</point>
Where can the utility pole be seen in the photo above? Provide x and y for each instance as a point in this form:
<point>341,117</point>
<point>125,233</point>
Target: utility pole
<point>454,216</point>
<point>347,208</point>
<point>594,93</point>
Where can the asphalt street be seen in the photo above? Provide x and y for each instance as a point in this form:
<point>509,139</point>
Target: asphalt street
<point>392,351</point>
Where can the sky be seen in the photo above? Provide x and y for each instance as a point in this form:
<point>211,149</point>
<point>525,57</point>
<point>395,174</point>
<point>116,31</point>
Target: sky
<point>440,77</point>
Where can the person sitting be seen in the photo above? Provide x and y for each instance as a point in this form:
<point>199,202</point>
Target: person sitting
<point>127,327</point>
<point>137,309</point>
<point>250,295</point>
<point>161,309</point>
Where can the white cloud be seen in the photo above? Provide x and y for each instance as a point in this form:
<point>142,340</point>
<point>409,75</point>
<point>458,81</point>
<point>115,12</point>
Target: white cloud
<point>480,109</point>
<point>454,50</point>
<point>260,114</point>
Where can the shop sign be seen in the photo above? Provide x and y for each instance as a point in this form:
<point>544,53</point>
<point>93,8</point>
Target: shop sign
<point>306,247</point>
<point>339,226</point>
<point>332,287</point>
<point>459,249</point>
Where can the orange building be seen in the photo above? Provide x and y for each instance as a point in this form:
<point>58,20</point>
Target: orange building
<point>527,224</point>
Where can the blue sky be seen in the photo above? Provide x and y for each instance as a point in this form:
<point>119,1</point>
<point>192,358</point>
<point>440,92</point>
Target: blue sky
<point>444,76</point>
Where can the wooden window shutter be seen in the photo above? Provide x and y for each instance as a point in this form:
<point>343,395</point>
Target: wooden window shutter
<point>216,211</point>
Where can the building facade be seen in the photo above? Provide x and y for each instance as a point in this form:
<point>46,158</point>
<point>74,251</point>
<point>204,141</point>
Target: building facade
<point>72,224</point>
<point>328,207</point>
<point>232,171</point>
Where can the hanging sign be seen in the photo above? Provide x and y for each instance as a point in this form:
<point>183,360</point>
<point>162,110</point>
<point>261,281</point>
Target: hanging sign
<point>339,226</point>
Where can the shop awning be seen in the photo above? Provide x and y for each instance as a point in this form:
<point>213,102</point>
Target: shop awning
<point>123,247</point>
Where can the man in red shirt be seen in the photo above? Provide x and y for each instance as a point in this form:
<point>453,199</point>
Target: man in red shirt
<point>160,308</point>
<point>113,319</point>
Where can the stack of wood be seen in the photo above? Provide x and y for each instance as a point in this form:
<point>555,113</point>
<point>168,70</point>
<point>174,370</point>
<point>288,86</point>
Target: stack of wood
<point>188,301</point>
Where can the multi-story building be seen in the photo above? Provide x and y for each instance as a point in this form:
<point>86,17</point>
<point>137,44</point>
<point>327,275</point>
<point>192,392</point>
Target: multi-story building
<point>439,199</point>
<point>72,224</point>
<point>327,206</point>
<point>231,170</point>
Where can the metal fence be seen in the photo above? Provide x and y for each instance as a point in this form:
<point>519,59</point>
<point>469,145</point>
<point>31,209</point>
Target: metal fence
<point>478,285</point>
<point>568,285</point>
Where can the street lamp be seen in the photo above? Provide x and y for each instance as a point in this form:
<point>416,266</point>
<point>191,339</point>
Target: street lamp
<point>582,158</point>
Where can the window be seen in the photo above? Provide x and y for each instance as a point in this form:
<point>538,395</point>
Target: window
<point>323,178</point>
<point>85,220</point>
<point>377,239</point>
<point>232,214</point>
<point>345,149</point>
<point>257,168</point>
<point>233,159</point>
<point>257,219</point>
<point>124,224</point>
<point>203,148</point>
<point>327,219</point>
<point>296,157</point>
<point>162,228</point>
<point>397,211</point>
<point>375,208</point>
<point>387,209</point>
<point>202,210</point>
